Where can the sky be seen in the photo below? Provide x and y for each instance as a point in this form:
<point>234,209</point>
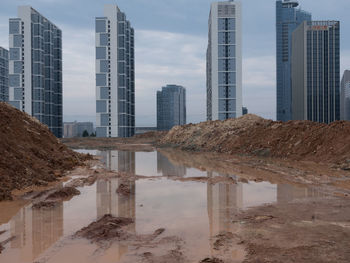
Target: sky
<point>170,45</point>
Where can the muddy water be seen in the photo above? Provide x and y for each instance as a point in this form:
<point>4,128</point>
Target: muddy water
<point>192,211</point>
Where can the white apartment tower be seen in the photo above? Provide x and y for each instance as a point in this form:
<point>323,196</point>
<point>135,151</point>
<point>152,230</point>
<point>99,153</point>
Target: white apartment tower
<point>35,67</point>
<point>115,75</point>
<point>224,61</point>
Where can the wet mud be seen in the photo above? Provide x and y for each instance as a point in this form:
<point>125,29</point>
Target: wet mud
<point>198,209</point>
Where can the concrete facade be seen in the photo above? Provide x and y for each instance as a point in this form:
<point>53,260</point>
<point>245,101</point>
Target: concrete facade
<point>224,61</point>
<point>35,68</point>
<point>345,96</point>
<point>288,18</point>
<point>171,107</point>
<point>115,75</point>
<point>4,75</point>
<point>315,71</point>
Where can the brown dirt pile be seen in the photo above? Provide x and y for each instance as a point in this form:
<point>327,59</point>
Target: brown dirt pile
<point>212,260</point>
<point>30,153</point>
<point>250,134</point>
<point>105,229</point>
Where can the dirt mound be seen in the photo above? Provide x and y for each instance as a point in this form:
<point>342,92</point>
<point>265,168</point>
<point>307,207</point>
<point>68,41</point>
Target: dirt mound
<point>30,153</point>
<point>250,134</point>
<point>105,229</point>
<point>123,189</point>
<point>212,260</point>
<point>63,193</point>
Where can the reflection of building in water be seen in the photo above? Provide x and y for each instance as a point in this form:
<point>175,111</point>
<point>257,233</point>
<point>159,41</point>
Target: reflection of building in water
<point>167,168</point>
<point>36,231</point>
<point>119,161</point>
<point>108,201</point>
<point>287,193</point>
<point>224,200</point>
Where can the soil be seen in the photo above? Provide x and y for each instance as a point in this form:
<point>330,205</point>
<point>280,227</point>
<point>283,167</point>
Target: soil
<point>142,142</point>
<point>303,232</point>
<point>106,229</point>
<point>30,153</point>
<point>212,260</point>
<point>123,189</point>
<point>64,193</point>
<point>252,135</point>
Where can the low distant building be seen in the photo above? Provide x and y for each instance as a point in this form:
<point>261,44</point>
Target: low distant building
<point>76,129</point>
<point>245,111</point>
<point>142,130</point>
<point>4,75</point>
<point>171,107</point>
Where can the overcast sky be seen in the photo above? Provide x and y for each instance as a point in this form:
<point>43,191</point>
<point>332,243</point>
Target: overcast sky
<point>171,40</point>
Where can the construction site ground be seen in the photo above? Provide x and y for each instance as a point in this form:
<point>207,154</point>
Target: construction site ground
<point>145,215</point>
<point>245,190</point>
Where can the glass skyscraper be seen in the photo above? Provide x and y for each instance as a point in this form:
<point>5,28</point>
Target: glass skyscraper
<point>345,96</point>
<point>288,18</point>
<point>224,61</point>
<point>115,75</point>
<point>35,68</point>
<point>4,74</point>
<point>171,107</point>
<point>316,71</point>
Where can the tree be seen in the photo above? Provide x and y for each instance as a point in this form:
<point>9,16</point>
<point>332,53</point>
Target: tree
<point>85,133</point>
<point>93,134</point>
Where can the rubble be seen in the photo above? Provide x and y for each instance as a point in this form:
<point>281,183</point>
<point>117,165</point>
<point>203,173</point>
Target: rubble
<point>30,153</point>
<point>252,135</point>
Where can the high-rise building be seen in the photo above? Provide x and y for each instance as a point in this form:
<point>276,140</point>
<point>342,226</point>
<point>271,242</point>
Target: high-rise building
<point>171,107</point>
<point>224,61</point>
<point>345,96</point>
<point>77,129</point>
<point>4,75</point>
<point>35,67</point>
<point>316,71</point>
<point>288,18</point>
<point>115,75</point>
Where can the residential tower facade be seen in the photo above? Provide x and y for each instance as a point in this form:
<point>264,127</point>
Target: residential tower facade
<point>224,61</point>
<point>115,75</point>
<point>316,71</point>
<point>35,68</point>
<point>4,75</point>
<point>171,107</point>
<point>288,18</point>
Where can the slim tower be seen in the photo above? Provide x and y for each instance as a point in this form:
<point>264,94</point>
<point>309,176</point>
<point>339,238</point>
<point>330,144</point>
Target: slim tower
<point>224,61</point>
<point>288,18</point>
<point>4,75</point>
<point>35,67</point>
<point>115,75</point>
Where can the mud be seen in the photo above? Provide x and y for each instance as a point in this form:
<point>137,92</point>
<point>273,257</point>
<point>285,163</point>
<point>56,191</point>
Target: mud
<point>106,229</point>
<point>64,193</point>
<point>316,231</point>
<point>123,189</point>
<point>143,143</point>
<point>212,260</point>
<point>30,154</point>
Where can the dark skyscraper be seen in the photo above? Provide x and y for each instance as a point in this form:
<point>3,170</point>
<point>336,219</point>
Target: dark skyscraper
<point>345,96</point>
<point>4,75</point>
<point>171,107</point>
<point>288,18</point>
<point>316,72</point>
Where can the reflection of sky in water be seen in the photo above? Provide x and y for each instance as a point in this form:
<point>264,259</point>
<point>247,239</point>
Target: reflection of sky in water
<point>191,210</point>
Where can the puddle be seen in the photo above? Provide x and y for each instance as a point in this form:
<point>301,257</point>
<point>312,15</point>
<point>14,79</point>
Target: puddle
<point>192,211</point>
